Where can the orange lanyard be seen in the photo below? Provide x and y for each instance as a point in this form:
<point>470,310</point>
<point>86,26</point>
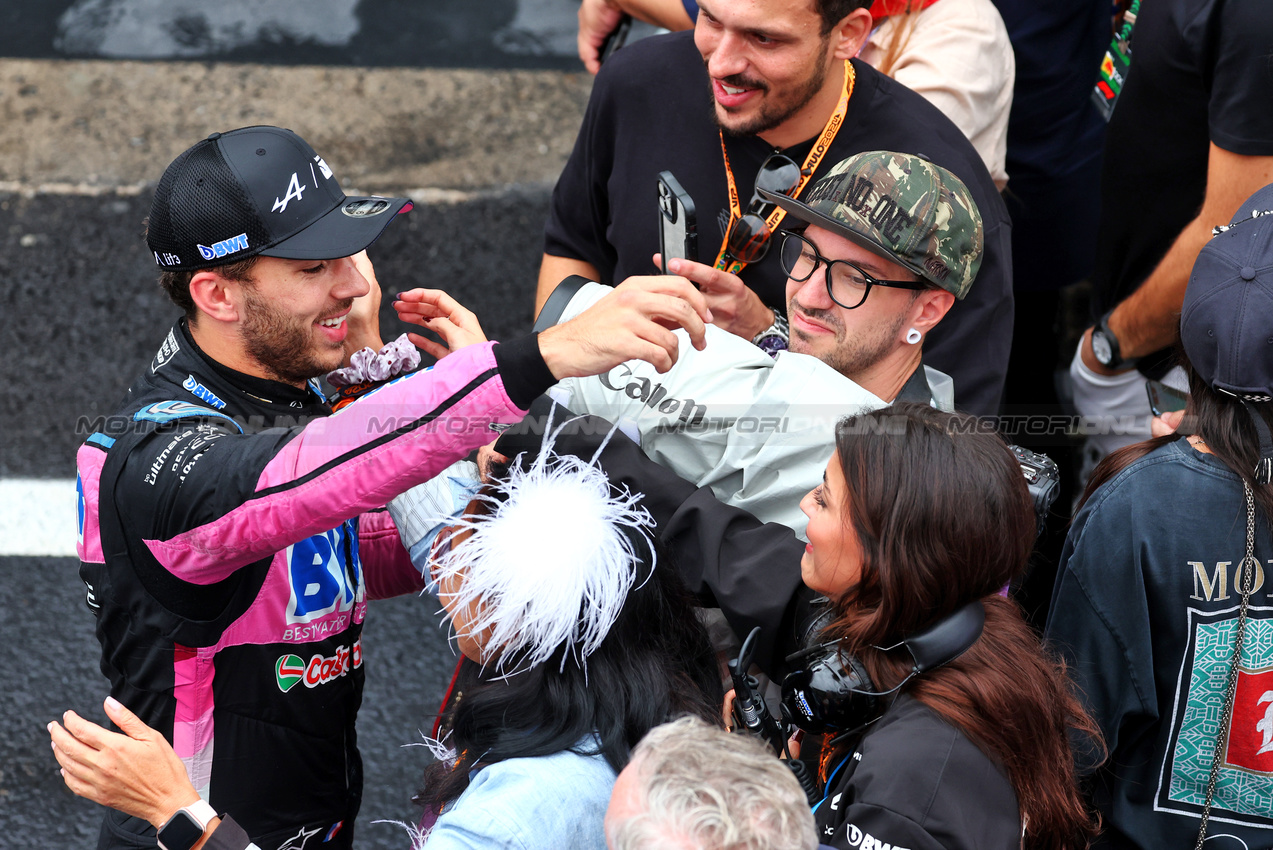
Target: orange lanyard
<point>811,161</point>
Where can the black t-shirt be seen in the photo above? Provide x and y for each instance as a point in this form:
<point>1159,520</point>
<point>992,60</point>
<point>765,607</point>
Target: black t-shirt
<point>1055,136</point>
<point>651,110</point>
<point>1201,72</point>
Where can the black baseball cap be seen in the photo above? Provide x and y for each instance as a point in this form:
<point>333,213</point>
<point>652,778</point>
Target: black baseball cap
<point>1226,321</point>
<point>258,191</point>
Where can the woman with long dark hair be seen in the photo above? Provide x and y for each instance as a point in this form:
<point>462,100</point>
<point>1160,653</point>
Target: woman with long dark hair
<point>921,518</point>
<point>1161,603</point>
<point>908,528</point>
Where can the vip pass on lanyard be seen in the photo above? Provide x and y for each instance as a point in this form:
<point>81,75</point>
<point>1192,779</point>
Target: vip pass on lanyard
<point>816,154</point>
<point>1118,59</point>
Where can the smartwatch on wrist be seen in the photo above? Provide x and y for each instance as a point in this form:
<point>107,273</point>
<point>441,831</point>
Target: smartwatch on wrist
<point>773,339</point>
<point>1105,347</point>
<point>187,825</point>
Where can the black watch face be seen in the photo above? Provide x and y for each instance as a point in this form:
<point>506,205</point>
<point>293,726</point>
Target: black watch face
<point>1101,348</point>
<point>180,832</point>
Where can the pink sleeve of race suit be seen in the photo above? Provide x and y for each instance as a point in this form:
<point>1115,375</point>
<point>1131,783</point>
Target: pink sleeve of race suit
<point>386,563</point>
<point>355,460</point>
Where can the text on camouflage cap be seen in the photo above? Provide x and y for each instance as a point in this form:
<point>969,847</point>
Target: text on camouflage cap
<point>905,209</point>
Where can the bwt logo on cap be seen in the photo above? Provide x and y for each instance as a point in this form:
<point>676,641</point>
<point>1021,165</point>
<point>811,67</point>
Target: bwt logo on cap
<point>225,247</point>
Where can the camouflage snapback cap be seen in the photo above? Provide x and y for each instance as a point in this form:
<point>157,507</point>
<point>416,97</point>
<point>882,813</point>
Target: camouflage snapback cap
<point>902,207</point>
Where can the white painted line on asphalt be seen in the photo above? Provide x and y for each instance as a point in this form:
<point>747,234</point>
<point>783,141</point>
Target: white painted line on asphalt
<point>37,517</point>
<point>31,190</point>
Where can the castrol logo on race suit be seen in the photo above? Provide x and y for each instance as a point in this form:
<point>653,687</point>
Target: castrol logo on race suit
<point>325,578</point>
<point>291,670</point>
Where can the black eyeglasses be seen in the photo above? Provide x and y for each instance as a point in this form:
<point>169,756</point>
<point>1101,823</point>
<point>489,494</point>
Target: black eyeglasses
<point>749,236</point>
<point>848,284</point>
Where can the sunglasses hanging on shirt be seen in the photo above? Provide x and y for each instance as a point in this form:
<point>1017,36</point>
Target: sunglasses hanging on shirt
<point>748,238</point>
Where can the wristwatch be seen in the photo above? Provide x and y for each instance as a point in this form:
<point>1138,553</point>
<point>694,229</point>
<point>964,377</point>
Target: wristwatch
<point>187,825</point>
<point>1105,346</point>
<point>773,339</point>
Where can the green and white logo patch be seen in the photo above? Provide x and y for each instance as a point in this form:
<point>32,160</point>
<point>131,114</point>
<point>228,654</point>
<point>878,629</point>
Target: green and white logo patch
<point>288,671</point>
<point>1244,785</point>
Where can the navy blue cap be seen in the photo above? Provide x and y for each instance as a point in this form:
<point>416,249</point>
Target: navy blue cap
<point>1226,323</point>
<point>258,190</point>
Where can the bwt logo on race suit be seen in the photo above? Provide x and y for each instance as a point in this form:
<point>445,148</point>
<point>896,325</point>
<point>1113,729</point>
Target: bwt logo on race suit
<point>290,670</point>
<point>198,390</point>
<point>225,247</point>
<point>325,574</point>
<point>865,841</point>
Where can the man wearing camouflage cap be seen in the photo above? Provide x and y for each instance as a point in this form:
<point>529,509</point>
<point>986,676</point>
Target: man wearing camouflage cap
<point>903,241</point>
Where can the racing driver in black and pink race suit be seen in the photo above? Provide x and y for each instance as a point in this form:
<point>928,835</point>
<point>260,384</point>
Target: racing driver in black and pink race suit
<point>231,526</point>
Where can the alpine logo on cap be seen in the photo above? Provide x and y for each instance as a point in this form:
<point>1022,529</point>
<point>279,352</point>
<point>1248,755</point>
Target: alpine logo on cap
<point>295,192</point>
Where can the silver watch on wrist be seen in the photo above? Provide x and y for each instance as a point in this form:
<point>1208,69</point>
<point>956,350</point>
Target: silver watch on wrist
<point>773,339</point>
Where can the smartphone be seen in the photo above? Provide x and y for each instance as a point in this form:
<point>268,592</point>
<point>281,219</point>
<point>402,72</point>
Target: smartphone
<point>616,39</point>
<point>678,229</point>
<point>1164,398</point>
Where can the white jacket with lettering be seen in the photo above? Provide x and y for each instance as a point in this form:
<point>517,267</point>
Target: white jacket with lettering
<point>759,431</point>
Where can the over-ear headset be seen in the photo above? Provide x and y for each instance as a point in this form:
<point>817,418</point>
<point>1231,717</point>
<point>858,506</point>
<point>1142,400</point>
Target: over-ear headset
<point>828,691</point>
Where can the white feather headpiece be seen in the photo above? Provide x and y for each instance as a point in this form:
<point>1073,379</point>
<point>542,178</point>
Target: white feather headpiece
<point>549,565</point>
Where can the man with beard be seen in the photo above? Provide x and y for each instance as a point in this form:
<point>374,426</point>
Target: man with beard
<point>230,526</point>
<point>866,286</point>
<point>761,91</point>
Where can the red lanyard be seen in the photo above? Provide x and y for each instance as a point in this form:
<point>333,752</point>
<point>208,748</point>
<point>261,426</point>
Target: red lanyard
<point>885,8</point>
<point>816,153</point>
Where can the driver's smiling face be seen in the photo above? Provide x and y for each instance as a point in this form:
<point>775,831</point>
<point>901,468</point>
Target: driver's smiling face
<point>292,322</point>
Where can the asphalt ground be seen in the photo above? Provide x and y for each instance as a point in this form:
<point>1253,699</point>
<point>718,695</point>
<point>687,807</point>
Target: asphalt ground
<point>51,666</point>
<point>407,33</point>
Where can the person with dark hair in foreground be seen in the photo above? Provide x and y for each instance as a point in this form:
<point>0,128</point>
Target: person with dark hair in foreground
<point>918,525</point>
<point>581,638</point>
<point>1161,604</point>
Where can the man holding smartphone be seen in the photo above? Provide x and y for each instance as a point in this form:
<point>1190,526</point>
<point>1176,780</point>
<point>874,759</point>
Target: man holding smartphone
<point>781,78</point>
<point>865,289</point>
